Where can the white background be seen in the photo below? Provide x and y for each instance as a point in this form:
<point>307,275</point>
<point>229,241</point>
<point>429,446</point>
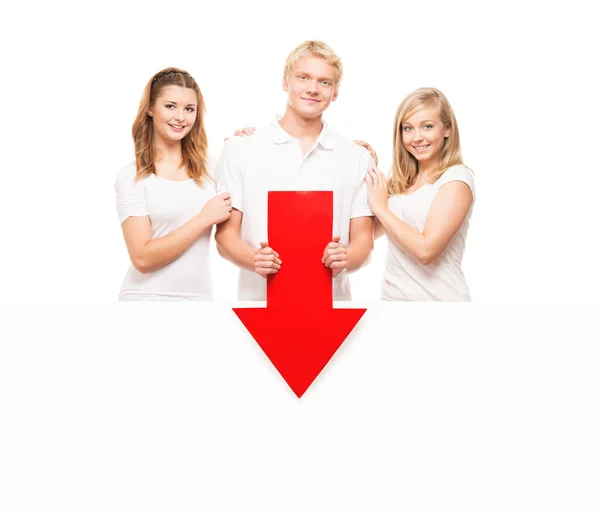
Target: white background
<point>489,406</point>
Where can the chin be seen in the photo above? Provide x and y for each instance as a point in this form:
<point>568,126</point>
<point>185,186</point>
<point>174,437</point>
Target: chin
<point>176,137</point>
<point>309,113</point>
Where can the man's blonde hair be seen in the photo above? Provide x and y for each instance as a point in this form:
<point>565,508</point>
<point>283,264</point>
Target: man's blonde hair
<point>317,49</point>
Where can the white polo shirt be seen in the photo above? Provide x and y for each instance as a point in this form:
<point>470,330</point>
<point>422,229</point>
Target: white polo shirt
<point>271,160</point>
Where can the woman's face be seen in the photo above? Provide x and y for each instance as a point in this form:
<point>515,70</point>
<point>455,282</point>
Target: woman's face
<point>423,135</point>
<point>174,113</point>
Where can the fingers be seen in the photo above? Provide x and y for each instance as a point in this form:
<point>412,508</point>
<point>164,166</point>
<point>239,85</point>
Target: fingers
<point>373,180</point>
<point>366,145</point>
<point>265,249</point>
<point>333,248</point>
<point>224,195</point>
<point>376,178</point>
<point>336,261</point>
<point>333,252</point>
<point>266,263</point>
<point>266,260</point>
<point>247,130</point>
<point>264,271</point>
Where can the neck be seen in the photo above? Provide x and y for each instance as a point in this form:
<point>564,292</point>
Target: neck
<point>300,127</point>
<point>428,167</point>
<point>169,151</point>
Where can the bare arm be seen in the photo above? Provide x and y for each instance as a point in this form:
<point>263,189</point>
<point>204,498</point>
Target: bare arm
<point>361,243</point>
<point>230,244</point>
<point>447,213</point>
<point>232,247</point>
<point>339,257</point>
<point>148,254</point>
<point>445,217</point>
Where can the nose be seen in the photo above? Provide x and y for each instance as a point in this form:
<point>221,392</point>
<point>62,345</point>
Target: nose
<point>179,115</point>
<point>311,86</point>
<point>417,135</point>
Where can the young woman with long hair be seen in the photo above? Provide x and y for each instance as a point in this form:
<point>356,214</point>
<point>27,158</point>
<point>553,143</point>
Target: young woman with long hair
<point>167,202</point>
<point>426,205</point>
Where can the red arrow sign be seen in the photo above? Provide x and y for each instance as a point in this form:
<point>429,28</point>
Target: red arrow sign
<point>299,331</point>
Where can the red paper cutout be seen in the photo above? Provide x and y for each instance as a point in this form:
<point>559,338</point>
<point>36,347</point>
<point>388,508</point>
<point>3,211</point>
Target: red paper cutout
<point>299,331</point>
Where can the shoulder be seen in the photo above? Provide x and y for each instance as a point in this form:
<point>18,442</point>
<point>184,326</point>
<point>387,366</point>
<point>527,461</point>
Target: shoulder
<point>350,149</point>
<point>345,144</point>
<point>458,173</point>
<point>127,172</point>
<point>126,178</point>
<point>242,143</point>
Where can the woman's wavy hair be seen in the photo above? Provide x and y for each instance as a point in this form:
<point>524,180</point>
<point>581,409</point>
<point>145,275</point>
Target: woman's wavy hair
<point>194,146</point>
<point>405,166</point>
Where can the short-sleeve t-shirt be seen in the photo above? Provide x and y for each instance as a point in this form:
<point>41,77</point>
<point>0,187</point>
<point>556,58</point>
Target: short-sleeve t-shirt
<point>168,204</point>
<point>405,279</point>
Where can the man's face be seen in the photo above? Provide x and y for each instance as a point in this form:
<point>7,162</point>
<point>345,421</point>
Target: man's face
<point>310,86</point>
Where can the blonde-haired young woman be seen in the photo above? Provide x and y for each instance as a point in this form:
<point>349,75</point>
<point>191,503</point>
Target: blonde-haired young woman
<point>426,205</point>
<point>166,201</point>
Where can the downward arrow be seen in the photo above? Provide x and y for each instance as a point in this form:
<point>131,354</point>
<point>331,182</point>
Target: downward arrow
<point>299,331</point>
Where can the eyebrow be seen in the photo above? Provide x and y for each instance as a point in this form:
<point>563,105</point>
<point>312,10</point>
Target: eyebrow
<point>175,103</point>
<point>309,75</point>
<point>426,121</point>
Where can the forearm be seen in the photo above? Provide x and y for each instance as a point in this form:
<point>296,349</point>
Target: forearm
<point>157,253</point>
<point>358,254</point>
<point>233,248</point>
<point>409,239</point>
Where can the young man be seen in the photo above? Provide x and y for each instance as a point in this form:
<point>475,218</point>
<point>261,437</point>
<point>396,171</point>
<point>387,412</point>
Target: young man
<point>297,152</point>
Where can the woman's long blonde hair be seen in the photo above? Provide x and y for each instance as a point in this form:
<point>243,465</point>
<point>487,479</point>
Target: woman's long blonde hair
<point>405,167</point>
<point>194,146</point>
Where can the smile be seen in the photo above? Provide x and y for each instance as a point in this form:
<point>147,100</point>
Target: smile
<point>421,148</point>
<point>176,127</point>
<point>311,100</point>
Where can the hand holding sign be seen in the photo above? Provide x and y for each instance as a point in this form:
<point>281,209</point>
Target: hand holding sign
<point>299,331</point>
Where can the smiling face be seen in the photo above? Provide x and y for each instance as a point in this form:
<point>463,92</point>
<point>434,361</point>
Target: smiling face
<point>423,135</point>
<point>310,86</point>
<point>173,113</point>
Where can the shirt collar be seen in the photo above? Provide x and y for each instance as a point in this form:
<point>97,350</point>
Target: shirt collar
<point>280,136</point>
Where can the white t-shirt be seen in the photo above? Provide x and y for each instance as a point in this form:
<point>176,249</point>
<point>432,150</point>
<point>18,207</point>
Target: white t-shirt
<point>405,279</point>
<point>271,160</point>
<point>169,204</point>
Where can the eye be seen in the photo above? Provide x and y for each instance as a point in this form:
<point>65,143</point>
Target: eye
<point>428,127</point>
<point>169,106</point>
<point>302,77</point>
<point>190,109</point>
<point>407,128</point>
<point>326,83</point>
